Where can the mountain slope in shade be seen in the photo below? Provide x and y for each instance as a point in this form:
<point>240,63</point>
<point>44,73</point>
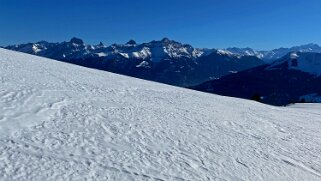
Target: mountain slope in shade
<point>294,78</point>
<point>164,61</point>
<point>64,122</point>
<point>305,62</point>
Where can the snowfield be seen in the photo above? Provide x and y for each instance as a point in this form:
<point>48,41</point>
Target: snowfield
<point>64,122</point>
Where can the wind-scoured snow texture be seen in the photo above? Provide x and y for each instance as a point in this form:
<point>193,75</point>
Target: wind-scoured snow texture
<point>65,122</point>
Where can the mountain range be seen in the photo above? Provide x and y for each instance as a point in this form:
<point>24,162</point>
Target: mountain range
<point>272,55</point>
<point>164,61</point>
<point>277,77</point>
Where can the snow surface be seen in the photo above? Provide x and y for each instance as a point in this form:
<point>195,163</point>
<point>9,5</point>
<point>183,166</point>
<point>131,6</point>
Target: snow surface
<point>64,122</point>
<point>307,107</point>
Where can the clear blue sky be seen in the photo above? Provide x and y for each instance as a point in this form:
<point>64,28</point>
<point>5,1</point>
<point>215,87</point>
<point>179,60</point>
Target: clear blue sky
<point>261,24</point>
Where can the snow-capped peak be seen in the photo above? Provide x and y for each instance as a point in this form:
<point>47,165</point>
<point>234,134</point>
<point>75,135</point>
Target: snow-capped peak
<point>131,42</point>
<point>165,40</point>
<point>100,45</point>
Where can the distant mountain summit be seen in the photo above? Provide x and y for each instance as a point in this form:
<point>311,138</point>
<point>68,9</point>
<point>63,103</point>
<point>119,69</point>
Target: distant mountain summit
<point>131,42</point>
<point>165,60</point>
<point>77,41</point>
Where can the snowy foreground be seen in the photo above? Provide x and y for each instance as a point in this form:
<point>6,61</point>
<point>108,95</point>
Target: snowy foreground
<point>64,122</point>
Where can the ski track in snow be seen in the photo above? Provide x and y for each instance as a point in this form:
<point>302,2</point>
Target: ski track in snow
<point>64,122</point>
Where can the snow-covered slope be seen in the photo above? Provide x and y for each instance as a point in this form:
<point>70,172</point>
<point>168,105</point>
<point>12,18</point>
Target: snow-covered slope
<point>64,122</point>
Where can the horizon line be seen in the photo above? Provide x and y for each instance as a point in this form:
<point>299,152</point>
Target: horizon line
<point>159,40</point>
